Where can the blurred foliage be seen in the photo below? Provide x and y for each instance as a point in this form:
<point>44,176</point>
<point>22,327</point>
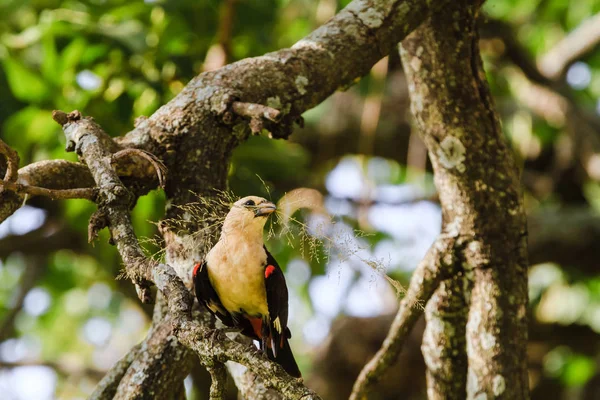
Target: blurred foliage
<point>117,59</point>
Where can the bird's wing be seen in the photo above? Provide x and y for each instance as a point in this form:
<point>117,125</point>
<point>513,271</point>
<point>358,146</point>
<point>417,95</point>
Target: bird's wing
<point>277,302</point>
<point>206,294</point>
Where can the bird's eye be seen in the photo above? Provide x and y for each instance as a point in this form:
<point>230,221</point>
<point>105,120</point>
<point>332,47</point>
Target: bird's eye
<point>249,203</point>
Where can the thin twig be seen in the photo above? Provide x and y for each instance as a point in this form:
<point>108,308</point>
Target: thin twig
<point>12,162</point>
<point>54,194</point>
<point>423,283</point>
<point>158,165</point>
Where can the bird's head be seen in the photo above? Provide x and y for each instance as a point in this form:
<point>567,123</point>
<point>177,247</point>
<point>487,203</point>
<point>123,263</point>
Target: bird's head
<point>249,215</point>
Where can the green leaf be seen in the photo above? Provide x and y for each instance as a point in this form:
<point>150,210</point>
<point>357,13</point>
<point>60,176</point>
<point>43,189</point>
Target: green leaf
<point>50,59</point>
<point>25,84</point>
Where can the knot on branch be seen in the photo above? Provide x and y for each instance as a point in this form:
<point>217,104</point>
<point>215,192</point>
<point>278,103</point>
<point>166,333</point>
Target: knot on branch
<point>63,118</point>
<point>262,117</point>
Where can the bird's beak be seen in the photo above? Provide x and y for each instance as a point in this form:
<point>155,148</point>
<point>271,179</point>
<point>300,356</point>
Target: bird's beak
<point>264,209</point>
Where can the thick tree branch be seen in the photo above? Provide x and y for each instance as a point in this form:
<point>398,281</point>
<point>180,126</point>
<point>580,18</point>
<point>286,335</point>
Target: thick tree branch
<point>444,341</point>
<point>150,376</point>
<point>478,182</point>
<point>107,387</point>
<point>290,80</point>
<point>114,200</point>
<point>147,377</point>
<point>433,268</point>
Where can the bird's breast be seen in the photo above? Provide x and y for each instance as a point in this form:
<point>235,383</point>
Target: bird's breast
<point>236,271</point>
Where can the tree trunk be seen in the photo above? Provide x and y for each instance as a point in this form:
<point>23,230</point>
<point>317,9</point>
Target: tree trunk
<point>478,184</point>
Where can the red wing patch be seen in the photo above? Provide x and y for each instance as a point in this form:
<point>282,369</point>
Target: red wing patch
<point>196,267</point>
<point>256,326</point>
<point>269,270</point>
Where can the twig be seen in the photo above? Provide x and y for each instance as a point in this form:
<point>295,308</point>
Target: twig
<point>53,174</point>
<point>12,174</point>
<point>423,283</point>
<point>54,194</point>
<point>107,387</point>
<point>158,165</point>
<point>12,162</point>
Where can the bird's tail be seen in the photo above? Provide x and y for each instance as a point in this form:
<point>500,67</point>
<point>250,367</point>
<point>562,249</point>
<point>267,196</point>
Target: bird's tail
<point>285,358</point>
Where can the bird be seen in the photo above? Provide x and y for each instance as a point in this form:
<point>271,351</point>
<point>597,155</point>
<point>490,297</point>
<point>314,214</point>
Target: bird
<point>241,284</point>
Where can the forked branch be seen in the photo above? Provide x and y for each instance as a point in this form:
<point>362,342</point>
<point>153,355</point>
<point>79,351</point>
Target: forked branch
<point>434,267</point>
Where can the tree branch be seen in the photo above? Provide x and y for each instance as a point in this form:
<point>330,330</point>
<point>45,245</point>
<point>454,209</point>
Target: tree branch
<point>424,281</point>
<point>218,376</point>
<point>60,194</point>
<point>114,200</point>
<point>453,107</point>
<point>54,175</point>
<point>63,369</point>
<point>150,375</point>
<point>50,237</point>
<point>572,47</point>
<point>290,80</point>
<point>444,341</point>
<point>107,387</point>
<point>548,96</point>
